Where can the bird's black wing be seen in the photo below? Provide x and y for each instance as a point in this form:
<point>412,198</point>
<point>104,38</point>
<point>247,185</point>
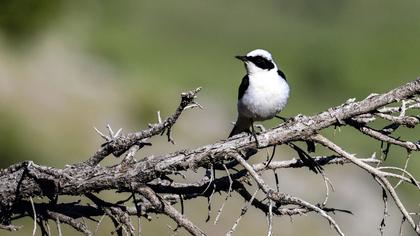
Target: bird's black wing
<point>281,74</point>
<point>243,87</point>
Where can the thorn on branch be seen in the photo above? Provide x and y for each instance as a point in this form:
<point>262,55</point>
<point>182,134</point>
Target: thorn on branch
<point>327,183</point>
<point>111,137</point>
<point>194,105</point>
<point>219,212</point>
<point>159,118</point>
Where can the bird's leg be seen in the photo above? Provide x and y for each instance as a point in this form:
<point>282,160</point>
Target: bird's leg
<point>254,134</point>
<point>271,157</point>
<point>282,118</point>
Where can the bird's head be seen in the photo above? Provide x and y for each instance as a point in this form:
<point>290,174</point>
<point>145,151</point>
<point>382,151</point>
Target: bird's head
<point>258,60</point>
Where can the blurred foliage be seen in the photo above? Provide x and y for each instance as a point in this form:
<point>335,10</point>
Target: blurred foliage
<point>14,144</point>
<point>21,20</point>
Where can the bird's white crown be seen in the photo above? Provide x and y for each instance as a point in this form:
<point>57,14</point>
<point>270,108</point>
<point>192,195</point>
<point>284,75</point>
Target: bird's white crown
<point>260,52</point>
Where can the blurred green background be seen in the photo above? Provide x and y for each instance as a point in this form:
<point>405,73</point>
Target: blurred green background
<point>66,66</point>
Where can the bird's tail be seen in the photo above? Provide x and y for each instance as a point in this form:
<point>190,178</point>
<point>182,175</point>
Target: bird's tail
<point>242,124</point>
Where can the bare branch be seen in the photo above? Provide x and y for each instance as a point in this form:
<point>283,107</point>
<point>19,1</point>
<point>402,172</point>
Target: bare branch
<point>70,221</point>
<point>120,145</point>
<point>149,181</point>
<point>165,207</point>
<point>281,197</point>
<point>380,176</point>
<point>243,212</point>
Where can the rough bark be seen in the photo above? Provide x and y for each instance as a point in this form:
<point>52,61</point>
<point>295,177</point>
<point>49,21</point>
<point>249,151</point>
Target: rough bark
<point>149,180</point>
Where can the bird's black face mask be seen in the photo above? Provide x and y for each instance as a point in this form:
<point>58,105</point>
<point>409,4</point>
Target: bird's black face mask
<point>261,62</point>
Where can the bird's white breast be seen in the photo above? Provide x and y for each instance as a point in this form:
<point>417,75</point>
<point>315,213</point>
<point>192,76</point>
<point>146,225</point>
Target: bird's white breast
<point>266,95</point>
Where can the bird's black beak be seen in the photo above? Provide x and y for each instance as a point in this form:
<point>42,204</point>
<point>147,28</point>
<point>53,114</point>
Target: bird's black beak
<point>242,58</point>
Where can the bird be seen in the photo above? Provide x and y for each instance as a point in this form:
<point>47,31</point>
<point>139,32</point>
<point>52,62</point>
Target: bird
<point>262,93</point>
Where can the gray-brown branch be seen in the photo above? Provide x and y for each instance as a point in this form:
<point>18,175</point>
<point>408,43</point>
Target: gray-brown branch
<point>148,180</point>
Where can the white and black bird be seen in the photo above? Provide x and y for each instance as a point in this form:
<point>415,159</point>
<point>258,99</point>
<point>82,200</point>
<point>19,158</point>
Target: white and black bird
<point>263,91</point>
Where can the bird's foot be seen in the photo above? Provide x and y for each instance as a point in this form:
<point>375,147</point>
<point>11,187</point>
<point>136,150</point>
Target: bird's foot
<point>261,127</point>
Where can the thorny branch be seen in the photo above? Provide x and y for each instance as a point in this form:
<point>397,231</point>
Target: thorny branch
<point>152,189</point>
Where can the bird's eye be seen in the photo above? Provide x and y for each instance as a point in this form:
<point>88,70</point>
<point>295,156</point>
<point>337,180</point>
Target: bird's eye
<point>262,62</point>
